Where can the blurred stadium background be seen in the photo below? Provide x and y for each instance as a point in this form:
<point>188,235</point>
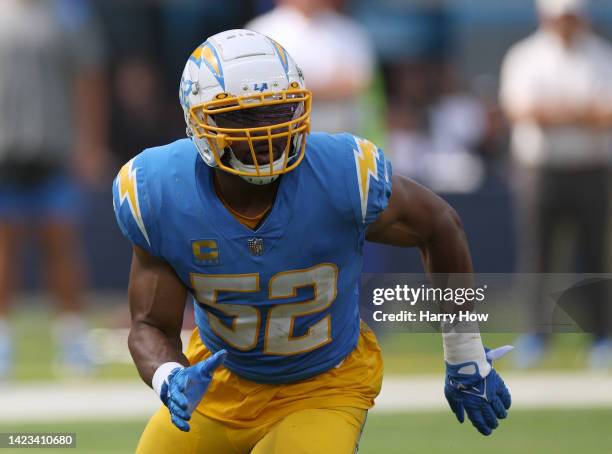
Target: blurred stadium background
<point>431,98</point>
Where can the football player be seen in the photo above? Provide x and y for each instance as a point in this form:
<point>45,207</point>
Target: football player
<point>262,224</point>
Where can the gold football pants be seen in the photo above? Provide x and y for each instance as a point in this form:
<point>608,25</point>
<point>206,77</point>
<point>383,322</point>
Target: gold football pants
<point>311,431</point>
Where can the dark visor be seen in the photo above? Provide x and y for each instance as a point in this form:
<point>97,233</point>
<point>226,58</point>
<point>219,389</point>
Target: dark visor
<point>257,116</point>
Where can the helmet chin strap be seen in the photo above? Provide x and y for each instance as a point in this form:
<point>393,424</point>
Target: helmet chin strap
<point>277,165</point>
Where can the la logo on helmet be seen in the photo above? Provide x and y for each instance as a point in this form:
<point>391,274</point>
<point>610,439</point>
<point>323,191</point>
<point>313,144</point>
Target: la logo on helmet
<point>260,88</point>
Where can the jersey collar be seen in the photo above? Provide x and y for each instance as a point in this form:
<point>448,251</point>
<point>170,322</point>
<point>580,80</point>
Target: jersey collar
<point>228,226</point>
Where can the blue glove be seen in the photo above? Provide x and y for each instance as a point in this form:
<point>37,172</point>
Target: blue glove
<point>484,399</point>
<point>186,386</point>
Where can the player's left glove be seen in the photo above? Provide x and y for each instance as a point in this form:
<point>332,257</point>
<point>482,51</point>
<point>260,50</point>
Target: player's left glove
<point>484,398</point>
<point>184,387</point>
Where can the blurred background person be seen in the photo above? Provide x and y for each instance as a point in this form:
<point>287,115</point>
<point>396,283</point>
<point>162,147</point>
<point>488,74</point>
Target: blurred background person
<point>138,115</point>
<point>408,141</point>
<point>145,54</point>
<point>52,132</point>
<point>136,89</point>
<point>435,139</point>
<point>335,53</point>
<point>556,90</point>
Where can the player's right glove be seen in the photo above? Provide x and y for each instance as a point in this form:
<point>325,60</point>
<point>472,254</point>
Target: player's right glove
<point>484,398</point>
<point>184,387</point>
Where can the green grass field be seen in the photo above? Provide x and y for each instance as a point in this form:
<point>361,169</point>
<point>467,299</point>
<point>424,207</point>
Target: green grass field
<point>523,432</point>
<point>583,431</point>
<point>406,353</point>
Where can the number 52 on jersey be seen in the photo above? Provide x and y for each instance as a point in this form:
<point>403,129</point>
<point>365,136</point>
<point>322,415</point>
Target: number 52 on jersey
<point>279,338</point>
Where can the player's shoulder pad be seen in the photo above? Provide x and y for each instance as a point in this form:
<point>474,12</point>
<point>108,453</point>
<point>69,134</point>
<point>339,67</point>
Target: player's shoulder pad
<point>361,167</point>
<point>137,194</point>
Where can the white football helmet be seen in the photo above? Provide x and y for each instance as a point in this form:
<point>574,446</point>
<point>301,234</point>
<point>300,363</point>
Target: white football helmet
<point>238,70</point>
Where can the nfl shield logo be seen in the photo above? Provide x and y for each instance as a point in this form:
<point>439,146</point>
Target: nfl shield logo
<point>256,246</point>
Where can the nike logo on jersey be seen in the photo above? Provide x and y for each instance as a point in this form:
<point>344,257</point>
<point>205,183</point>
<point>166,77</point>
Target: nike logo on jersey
<point>128,190</point>
<point>366,161</point>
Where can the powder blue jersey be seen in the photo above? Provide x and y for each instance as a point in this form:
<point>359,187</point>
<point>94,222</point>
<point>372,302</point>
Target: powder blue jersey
<point>283,298</point>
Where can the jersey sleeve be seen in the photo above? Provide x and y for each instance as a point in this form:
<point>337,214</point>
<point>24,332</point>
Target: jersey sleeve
<point>133,205</point>
<point>368,180</point>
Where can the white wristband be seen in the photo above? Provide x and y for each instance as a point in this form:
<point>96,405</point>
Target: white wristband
<point>462,344</point>
<point>161,376</point>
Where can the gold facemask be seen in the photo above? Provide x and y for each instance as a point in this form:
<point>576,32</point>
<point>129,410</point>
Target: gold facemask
<point>219,138</point>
